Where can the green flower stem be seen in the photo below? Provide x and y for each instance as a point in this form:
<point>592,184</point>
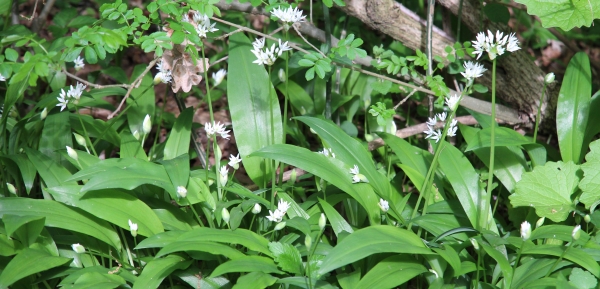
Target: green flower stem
<point>159,122</point>
<point>137,255</point>
<point>310,254</point>
<point>539,111</point>
<point>85,133</point>
<point>212,117</point>
<point>208,214</point>
<point>483,222</point>
<point>518,259</point>
<point>559,259</point>
<point>129,257</point>
<point>271,163</point>
<point>194,211</point>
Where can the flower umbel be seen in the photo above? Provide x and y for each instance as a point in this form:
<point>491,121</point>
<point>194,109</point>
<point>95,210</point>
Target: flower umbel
<point>268,55</point>
<point>289,15</point>
<point>203,25</point>
<point>357,176</point>
<point>473,70</point>
<point>79,63</point>
<point>496,47</point>
<point>71,96</point>
<point>452,102</point>
<point>163,75</point>
<point>279,213</point>
<point>214,129</point>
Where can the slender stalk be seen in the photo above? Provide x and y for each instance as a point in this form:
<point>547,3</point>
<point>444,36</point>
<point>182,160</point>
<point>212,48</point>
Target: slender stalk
<point>272,116</point>
<point>559,259</point>
<point>488,196</point>
<point>209,99</point>
<point>127,248</point>
<point>539,111</point>
<point>194,211</point>
<point>87,137</point>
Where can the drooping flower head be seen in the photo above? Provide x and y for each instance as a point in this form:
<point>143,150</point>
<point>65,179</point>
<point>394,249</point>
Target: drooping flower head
<point>495,47</point>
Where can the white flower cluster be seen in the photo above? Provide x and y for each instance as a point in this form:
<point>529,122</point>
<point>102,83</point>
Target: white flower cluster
<point>383,205</point>
<point>289,15</point>
<point>72,95</point>
<point>327,152</point>
<point>436,134</point>
<point>163,75</point>
<point>269,55</point>
<point>219,76</point>
<point>357,176</point>
<point>473,70</point>
<point>282,208</point>
<point>79,63</point>
<point>495,47</point>
<point>214,129</point>
<point>234,161</point>
<point>203,25</point>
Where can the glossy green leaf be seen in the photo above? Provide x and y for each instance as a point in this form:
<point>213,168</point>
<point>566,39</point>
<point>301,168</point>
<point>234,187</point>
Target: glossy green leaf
<point>255,280</point>
<point>298,97</point>
<point>51,172</point>
<point>26,229</point>
<point>509,163</point>
<point>593,126</point>
<point>53,136</point>
<point>534,270</point>
<point>450,255</point>
<point>192,278</point>
<point>505,267</point>
<point>548,189</point>
<point>97,280</point>
<point>371,240</point>
<point>331,170</point>
<point>247,264</point>
<point>160,240</point>
<point>253,105</point>
<point>26,168</point>
<point>178,142</point>
<point>582,279</point>
<point>337,222</point>
<point>437,224</point>
<point>131,147</point>
<point>590,184</point>
<point>575,255</point>
<point>391,272</point>
<point>537,154</point>
<point>178,170</point>
<point>504,137</point>
<point>200,246</point>
<point>559,232</point>
<point>572,108</point>
<point>158,269</point>
<point>349,151</point>
<point>27,262</point>
<point>565,14</point>
<point>62,216</point>
<point>287,257</point>
<point>295,209</point>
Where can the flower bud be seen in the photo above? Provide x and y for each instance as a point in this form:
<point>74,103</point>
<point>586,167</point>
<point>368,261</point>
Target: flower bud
<point>293,176</point>
<point>280,226</point>
<point>474,243</point>
<point>147,125</point>
<point>322,222</point>
<point>72,153</point>
<point>78,248</point>
<point>133,227</point>
<point>525,230</point>
<point>181,191</point>
<point>549,78</point>
<point>136,135</point>
<point>256,209</point>
<point>587,218</point>
<point>225,215</point>
<point>383,205</point>
<point>44,113</point>
<point>540,222</point>
<point>282,75</point>
<point>223,176</point>
<point>307,242</point>
<point>576,232</point>
<point>79,139</point>
<point>11,188</point>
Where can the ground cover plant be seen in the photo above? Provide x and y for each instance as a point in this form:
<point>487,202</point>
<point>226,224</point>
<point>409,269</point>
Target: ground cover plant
<point>299,144</point>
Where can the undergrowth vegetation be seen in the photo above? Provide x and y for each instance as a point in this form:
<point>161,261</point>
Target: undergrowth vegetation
<point>198,144</point>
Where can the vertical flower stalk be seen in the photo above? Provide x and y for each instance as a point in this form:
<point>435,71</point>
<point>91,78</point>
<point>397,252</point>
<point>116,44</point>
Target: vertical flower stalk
<point>549,78</point>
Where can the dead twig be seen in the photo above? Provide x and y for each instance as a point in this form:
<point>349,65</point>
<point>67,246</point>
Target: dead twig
<point>136,83</point>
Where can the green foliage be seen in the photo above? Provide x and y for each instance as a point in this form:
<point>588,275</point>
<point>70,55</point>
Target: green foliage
<point>564,14</point>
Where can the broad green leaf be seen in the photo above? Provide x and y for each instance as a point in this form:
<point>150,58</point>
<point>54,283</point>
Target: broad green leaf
<point>372,240</point>
<point>298,97</point>
<point>13,93</point>
<point>590,184</point>
<point>96,128</point>
<point>62,216</point>
<point>300,224</point>
<point>465,182</point>
<point>391,272</point>
<point>534,270</point>
<point>195,277</point>
<point>295,209</point>
<point>437,224</point>
<point>593,126</point>
<point>26,229</point>
<point>26,168</point>
<point>160,240</point>
<point>74,276</point>
<point>301,282</point>
<point>582,279</point>
<point>142,100</point>
<point>331,170</point>
<point>565,14</point>
<point>131,147</point>
<point>56,136</point>
<point>253,106</point>
<point>178,170</point>
<point>27,262</point>
<point>51,172</point>
<point>559,232</point>
<point>548,189</point>
<point>178,142</point>
<point>509,161</point>
<point>255,280</point>
<point>338,223</point>
<point>287,257</point>
<point>504,137</point>
<point>247,264</point>
<point>240,236</point>
<point>200,246</point>
<point>351,152</point>
<point>507,270</point>
<point>548,282</point>
<point>572,108</point>
<point>118,208</point>
<point>573,254</point>
<point>450,255</point>
<point>158,269</point>
<point>98,280</point>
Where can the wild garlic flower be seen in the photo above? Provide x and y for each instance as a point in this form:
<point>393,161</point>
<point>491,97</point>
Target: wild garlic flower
<point>452,129</point>
<point>496,47</point>
<point>72,153</point>
<point>576,232</point>
<point>2,78</point>
<point>163,75</point>
<point>219,76</point>
<point>383,205</point>
<point>223,175</point>
<point>203,25</point>
<point>549,78</point>
<point>442,116</point>
<point>181,191</point>
<point>357,176</point>
<point>214,129</point>
<point>289,16</point>
<point>79,63</point>
<point>71,96</point>
<point>268,55</point>
<point>256,209</point>
<point>279,213</point>
<point>133,227</point>
<point>473,70</point>
<point>146,125</point>
<point>78,248</point>
<point>327,152</point>
<point>452,102</point>
<point>234,161</point>
<point>525,231</point>
<point>434,134</point>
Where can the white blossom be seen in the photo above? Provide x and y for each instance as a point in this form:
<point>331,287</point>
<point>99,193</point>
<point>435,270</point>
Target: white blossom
<point>163,75</point>
<point>219,76</point>
<point>576,232</point>
<point>181,191</point>
<point>133,227</point>
<point>452,129</point>
<point>223,175</point>
<point>63,99</point>
<point>549,78</point>
<point>357,176</point>
<point>256,209</point>
<point>2,78</point>
<point>473,70</point>
<point>452,101</point>
<point>289,15</point>
<point>78,248</point>
<point>432,121</point>
<point>268,55</point>
<point>383,205</point>
<point>79,63</point>
<point>433,134</point>
<point>525,230</point>
<point>495,47</point>
<point>214,129</point>
<point>234,161</point>
<point>442,116</point>
<point>279,213</point>
<point>327,152</point>
<point>146,125</point>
